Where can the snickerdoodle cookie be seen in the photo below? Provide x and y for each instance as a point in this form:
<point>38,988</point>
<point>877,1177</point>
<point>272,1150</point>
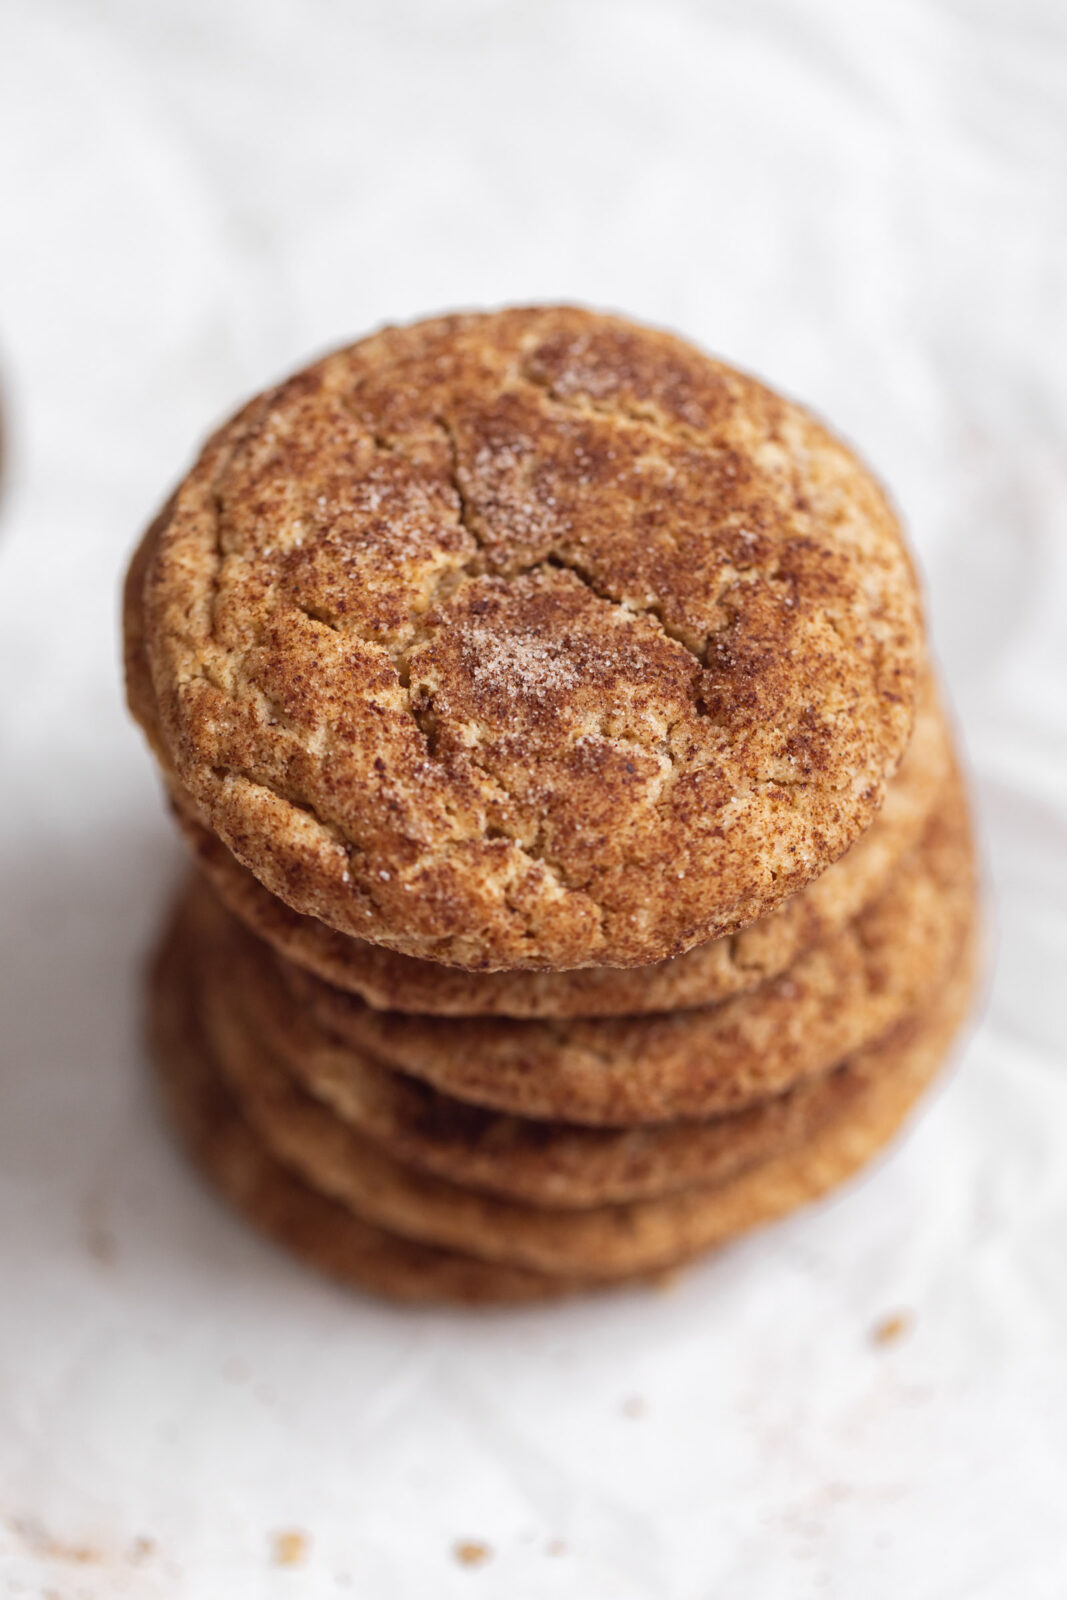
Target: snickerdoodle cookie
<point>527,640</point>
<point>318,1230</point>
<point>374,1228</point>
<point>548,1164</point>
<point>702,976</point>
<point>617,1071</point>
<point>708,973</point>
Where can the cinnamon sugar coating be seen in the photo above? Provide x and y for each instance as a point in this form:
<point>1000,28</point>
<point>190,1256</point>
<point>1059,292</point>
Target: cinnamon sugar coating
<point>355,1213</point>
<point>534,639</point>
<point>659,1067</point>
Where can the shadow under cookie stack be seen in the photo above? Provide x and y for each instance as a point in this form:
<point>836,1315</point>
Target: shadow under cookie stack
<point>584,867</point>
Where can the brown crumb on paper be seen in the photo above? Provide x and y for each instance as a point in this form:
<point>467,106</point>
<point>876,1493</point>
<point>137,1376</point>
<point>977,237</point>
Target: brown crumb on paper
<point>41,1543</point>
<point>290,1547</point>
<point>556,1547</point>
<point>471,1552</point>
<point>892,1327</point>
<point>634,1407</point>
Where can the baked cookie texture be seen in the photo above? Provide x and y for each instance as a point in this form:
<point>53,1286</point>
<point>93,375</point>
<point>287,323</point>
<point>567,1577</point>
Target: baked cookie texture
<point>702,976</point>
<point>710,972</point>
<point>617,1071</point>
<point>553,1164</point>
<point>586,869</point>
<point>318,1230</point>
<point>310,1182</point>
<point>529,640</point>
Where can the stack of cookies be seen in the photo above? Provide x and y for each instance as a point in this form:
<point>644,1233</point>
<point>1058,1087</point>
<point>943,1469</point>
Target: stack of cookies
<point>584,869</point>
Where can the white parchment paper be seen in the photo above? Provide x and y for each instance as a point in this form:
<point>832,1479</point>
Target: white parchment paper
<point>866,203</point>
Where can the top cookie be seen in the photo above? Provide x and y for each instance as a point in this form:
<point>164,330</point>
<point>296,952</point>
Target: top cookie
<point>531,639</point>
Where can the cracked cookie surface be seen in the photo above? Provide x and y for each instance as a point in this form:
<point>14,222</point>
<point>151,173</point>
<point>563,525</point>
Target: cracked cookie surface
<point>529,640</point>
<point>702,976</point>
<point>706,974</point>
<point>617,1071</point>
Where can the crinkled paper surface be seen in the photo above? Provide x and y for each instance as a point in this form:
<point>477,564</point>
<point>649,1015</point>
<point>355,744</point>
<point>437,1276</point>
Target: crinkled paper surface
<point>862,201</point>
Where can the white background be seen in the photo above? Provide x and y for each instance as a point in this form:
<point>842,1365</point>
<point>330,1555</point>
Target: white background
<point>867,203</point>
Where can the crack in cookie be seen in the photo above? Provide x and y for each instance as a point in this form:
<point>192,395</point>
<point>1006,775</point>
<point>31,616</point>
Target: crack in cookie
<point>538,640</point>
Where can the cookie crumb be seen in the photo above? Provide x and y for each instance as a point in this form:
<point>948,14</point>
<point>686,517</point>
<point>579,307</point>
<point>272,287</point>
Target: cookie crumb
<point>471,1552</point>
<point>556,1547</point>
<point>634,1407</point>
<point>41,1543</point>
<point>290,1547</point>
<point>141,1549</point>
<point>891,1328</point>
